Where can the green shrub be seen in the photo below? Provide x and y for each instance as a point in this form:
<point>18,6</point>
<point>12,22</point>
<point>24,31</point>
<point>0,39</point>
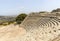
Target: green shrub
<point>20,18</point>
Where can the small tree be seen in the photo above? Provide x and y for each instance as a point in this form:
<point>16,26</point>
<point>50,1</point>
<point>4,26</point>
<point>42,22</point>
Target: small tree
<point>20,18</point>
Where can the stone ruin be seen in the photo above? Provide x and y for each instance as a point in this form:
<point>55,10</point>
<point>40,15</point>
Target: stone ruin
<point>43,26</point>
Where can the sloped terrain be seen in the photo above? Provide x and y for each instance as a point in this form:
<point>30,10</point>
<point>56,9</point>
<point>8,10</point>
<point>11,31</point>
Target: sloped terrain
<point>35,27</point>
<point>11,33</point>
<point>46,26</point>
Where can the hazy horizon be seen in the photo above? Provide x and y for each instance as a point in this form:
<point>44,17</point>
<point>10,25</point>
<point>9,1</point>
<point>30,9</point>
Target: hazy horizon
<point>15,7</point>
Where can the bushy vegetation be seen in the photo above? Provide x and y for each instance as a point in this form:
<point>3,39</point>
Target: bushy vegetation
<point>20,18</point>
<point>6,20</point>
<point>56,10</point>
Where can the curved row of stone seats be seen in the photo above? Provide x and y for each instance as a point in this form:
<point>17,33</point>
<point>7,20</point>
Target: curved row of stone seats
<point>44,14</point>
<point>52,21</point>
<point>42,21</point>
<point>31,19</point>
<point>30,24</point>
<point>46,27</point>
<point>49,22</point>
<point>56,22</point>
<point>57,19</point>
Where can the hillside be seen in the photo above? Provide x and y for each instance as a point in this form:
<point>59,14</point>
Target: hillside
<point>35,27</point>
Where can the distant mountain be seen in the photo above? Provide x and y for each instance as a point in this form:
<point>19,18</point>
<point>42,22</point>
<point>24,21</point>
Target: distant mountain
<point>7,18</point>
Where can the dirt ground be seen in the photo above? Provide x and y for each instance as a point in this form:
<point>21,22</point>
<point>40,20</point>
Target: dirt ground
<point>17,33</point>
<point>11,33</point>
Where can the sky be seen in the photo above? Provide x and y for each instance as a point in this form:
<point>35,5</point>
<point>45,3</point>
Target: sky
<point>15,7</point>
